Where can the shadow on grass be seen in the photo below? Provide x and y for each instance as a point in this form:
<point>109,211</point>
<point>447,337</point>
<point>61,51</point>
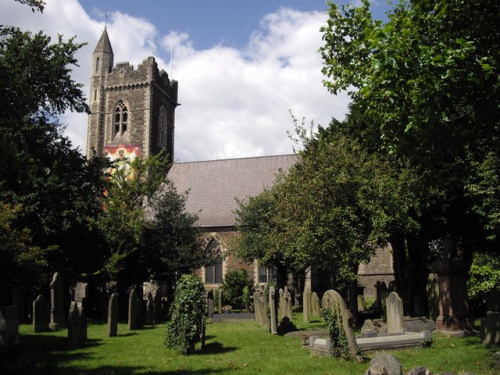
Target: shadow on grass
<point>214,348</point>
<point>51,354</point>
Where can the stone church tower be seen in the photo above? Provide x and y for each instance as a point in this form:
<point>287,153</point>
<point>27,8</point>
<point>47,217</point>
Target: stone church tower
<point>132,111</point>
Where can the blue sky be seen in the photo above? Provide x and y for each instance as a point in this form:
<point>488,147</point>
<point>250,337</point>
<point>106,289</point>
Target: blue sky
<point>242,66</point>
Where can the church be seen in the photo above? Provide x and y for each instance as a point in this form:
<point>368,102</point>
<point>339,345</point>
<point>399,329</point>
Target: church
<point>132,114</point>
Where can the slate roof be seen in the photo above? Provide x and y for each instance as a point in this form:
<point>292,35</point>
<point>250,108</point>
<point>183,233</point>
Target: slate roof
<point>103,45</point>
<point>214,185</point>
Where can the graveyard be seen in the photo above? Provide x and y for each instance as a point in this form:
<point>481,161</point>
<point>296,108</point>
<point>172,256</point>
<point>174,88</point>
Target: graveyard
<point>278,335</point>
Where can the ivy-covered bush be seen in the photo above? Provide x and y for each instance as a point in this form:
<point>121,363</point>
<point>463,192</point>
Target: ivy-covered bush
<point>233,287</point>
<point>340,345</point>
<point>187,315</point>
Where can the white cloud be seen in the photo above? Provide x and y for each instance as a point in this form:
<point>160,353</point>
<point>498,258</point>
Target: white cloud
<point>235,103</point>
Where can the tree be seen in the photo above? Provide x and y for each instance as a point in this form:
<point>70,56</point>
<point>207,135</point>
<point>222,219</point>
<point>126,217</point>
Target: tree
<point>171,236</point>
<point>122,222</point>
<point>425,91</point>
<point>53,186</point>
<point>233,287</point>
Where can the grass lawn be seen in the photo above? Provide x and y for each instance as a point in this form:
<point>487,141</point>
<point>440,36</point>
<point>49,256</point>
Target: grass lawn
<point>231,348</point>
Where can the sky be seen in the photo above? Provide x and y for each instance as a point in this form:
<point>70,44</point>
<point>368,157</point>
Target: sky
<point>243,67</point>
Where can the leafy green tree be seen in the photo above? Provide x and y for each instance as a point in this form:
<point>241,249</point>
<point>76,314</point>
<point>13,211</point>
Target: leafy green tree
<point>171,237</point>
<point>233,287</point>
<point>425,91</point>
<point>22,264</point>
<point>56,188</point>
<point>122,223</point>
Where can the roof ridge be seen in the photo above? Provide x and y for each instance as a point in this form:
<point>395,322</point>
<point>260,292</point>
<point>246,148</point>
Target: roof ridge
<point>231,159</point>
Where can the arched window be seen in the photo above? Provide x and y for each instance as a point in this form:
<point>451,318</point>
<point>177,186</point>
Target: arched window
<point>213,271</point>
<point>97,65</point>
<point>120,119</point>
<point>162,128</point>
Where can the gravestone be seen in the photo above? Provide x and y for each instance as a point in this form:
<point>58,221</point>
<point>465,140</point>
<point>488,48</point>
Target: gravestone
<point>490,325</point>
<point>288,304</point>
<point>261,307</point>
<point>18,300</point>
<point>157,306</point>
<point>3,336</point>
<point>56,302</point>
<point>132,310</point>
<point>150,312</point>
<point>81,292</point>
<point>334,302</point>
<point>11,315</point>
<point>361,303</point>
<point>210,308</point>
<point>73,326</point>
<point>40,314</point>
<point>82,316</point>
<point>113,315</point>
<point>272,310</point>
<point>387,361</point>
<point>369,328</point>
<point>219,295</point>
<point>432,289</point>
<point>315,305</point>
<point>382,294</point>
<point>282,304</point>
<point>395,316</point>
<point>306,304</point>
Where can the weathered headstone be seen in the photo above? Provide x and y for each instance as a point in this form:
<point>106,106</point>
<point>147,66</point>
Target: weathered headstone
<point>395,315</point>
<point>150,311</point>
<point>82,316</point>
<point>3,327</point>
<point>315,305</point>
<point>334,302</point>
<point>432,289</point>
<point>306,304</point>
<point>490,328</point>
<point>12,324</point>
<point>288,304</point>
<point>18,300</point>
<point>369,328</point>
<point>56,302</point>
<point>73,326</point>
<point>282,304</point>
<point>261,307</point>
<point>40,314</point>
<point>361,303</point>
<point>210,308</point>
<point>132,310</point>
<point>389,362</point>
<point>272,310</point>
<point>219,295</point>
<point>113,316</point>
<point>81,292</point>
<point>158,306</point>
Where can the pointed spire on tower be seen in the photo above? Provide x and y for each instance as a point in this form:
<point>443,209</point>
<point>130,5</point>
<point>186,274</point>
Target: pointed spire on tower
<point>104,45</point>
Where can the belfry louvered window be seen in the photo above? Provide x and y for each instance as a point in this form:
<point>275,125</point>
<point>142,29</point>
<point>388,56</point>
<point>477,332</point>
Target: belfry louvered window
<point>120,119</point>
<point>162,128</point>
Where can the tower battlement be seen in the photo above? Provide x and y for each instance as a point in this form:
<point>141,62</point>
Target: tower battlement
<point>131,108</point>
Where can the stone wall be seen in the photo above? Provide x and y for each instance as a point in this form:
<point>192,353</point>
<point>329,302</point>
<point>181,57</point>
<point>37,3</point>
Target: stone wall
<point>379,268</point>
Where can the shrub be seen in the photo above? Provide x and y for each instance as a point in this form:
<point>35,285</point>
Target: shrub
<point>233,287</point>
<point>484,277</point>
<point>187,315</point>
